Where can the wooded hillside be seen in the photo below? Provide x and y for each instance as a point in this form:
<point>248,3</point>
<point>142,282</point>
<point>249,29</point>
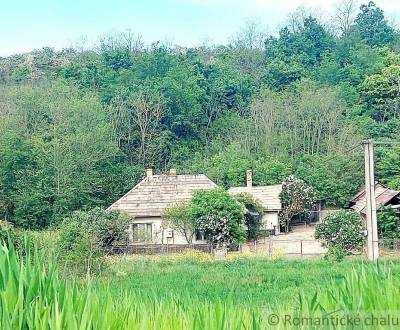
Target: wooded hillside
<point>79,126</point>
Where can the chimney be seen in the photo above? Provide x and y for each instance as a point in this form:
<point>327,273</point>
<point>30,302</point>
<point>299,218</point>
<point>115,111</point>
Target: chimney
<point>149,172</point>
<point>249,178</point>
<point>172,171</point>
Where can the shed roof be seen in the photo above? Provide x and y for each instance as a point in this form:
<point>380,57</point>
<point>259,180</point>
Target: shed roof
<point>154,194</point>
<point>383,196</point>
<point>268,196</point>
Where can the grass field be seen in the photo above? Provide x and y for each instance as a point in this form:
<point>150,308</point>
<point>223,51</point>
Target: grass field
<point>192,292</point>
<point>248,281</point>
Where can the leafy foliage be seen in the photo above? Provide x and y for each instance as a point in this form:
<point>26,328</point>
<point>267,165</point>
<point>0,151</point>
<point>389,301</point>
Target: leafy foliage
<point>85,235</point>
<point>252,216</point>
<point>78,127</point>
<point>179,218</point>
<point>296,197</point>
<point>342,230</point>
<point>215,228</point>
<point>373,27</point>
<point>388,223</point>
<point>223,210</point>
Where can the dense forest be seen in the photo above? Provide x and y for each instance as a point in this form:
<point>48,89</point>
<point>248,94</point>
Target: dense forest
<point>79,126</point>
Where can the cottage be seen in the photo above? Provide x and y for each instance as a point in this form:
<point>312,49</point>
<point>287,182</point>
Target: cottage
<point>384,196</point>
<point>267,196</point>
<point>147,201</point>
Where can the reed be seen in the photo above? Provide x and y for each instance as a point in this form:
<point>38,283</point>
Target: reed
<point>33,295</point>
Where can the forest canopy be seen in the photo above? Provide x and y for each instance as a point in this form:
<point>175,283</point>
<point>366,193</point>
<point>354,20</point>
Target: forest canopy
<point>78,127</point>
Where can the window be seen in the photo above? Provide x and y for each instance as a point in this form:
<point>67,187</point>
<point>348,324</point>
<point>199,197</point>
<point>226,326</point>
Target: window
<point>200,235</point>
<point>142,232</point>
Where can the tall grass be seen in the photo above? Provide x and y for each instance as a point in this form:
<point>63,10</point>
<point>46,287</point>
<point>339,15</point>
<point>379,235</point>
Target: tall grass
<point>34,296</point>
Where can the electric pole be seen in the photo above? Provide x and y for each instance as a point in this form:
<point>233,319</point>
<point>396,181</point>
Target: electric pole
<point>372,227</point>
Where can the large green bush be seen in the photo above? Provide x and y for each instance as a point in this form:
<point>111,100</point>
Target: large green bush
<point>106,227</point>
<point>342,230</point>
<point>253,215</point>
<point>296,197</point>
<point>85,236</point>
<point>217,203</point>
<point>19,239</point>
<point>388,223</point>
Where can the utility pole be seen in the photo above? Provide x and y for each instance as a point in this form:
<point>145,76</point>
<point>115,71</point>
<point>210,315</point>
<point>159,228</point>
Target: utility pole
<point>372,227</point>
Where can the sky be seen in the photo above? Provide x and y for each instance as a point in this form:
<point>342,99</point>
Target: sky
<point>31,24</point>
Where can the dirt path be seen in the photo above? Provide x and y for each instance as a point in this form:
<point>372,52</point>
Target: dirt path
<point>299,243</point>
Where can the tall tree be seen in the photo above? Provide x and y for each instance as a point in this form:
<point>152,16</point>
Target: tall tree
<point>373,27</point>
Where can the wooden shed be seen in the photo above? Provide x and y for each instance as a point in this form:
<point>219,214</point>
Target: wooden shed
<point>384,196</point>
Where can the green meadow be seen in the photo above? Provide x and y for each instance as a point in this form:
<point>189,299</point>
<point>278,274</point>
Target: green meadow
<point>191,291</point>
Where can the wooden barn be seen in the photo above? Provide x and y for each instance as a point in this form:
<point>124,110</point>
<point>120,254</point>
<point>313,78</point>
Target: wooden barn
<point>384,196</point>
<point>147,201</point>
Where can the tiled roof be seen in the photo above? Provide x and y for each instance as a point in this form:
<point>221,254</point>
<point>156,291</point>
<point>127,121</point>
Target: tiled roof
<point>268,196</point>
<point>156,193</point>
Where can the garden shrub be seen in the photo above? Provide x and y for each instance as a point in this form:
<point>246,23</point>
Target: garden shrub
<point>106,227</point>
<point>78,249</point>
<point>296,197</point>
<point>19,239</point>
<point>341,230</point>
<point>336,253</point>
<point>252,218</point>
<point>388,223</point>
<point>85,236</point>
<point>218,205</point>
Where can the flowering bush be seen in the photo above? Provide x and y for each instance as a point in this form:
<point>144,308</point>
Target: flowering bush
<point>215,228</point>
<point>296,198</point>
<point>341,230</point>
<point>216,206</point>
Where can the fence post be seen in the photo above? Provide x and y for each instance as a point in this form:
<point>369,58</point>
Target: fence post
<point>270,246</point>
<point>301,248</point>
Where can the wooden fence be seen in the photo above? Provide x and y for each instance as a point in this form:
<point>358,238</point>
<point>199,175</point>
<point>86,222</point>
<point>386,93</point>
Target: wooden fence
<point>389,247</point>
<point>153,249</point>
<point>298,248</point>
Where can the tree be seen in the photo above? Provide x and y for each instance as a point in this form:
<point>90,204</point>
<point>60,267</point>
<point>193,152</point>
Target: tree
<point>388,166</point>
<point>388,223</point>
<point>253,215</point>
<point>15,157</point>
<point>307,120</point>
<point>250,36</point>
<point>335,178</point>
<point>343,230</point>
<point>381,93</point>
<point>345,15</point>
<point>216,229</point>
<point>179,218</point>
<point>58,163</point>
<point>271,170</point>
<point>296,197</point>
<point>140,114</point>
<point>304,47</point>
<point>222,211</point>
<point>373,27</point>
